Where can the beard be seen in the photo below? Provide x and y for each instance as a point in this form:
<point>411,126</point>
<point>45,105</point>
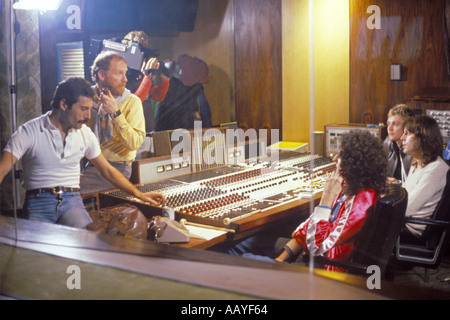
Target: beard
<point>118,90</point>
<point>115,89</point>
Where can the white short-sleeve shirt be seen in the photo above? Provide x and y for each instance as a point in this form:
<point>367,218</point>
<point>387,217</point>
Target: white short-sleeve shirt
<point>46,161</point>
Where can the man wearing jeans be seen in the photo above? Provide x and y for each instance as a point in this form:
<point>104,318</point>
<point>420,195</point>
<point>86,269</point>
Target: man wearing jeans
<point>51,147</point>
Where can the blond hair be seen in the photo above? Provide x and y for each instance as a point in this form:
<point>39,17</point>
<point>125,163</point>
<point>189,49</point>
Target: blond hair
<point>402,110</point>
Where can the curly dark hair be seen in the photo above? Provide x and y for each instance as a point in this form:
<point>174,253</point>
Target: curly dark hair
<point>427,132</point>
<point>363,162</point>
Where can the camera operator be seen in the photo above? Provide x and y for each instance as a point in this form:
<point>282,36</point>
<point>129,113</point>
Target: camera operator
<point>143,83</point>
<point>154,86</point>
<point>148,83</point>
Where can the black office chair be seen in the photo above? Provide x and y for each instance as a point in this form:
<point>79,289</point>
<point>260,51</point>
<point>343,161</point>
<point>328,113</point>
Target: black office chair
<point>376,240</point>
<point>427,251</point>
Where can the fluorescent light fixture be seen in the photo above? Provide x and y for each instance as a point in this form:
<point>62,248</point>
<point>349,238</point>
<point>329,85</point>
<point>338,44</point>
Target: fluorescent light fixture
<point>41,5</point>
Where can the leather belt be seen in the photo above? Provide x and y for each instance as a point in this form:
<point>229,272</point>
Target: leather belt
<point>54,190</point>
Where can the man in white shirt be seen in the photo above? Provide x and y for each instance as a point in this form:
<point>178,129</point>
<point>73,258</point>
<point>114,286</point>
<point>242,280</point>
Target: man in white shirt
<point>51,147</point>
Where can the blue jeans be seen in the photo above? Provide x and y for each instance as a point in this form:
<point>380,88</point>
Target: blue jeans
<point>66,208</point>
<point>265,247</point>
<point>260,245</point>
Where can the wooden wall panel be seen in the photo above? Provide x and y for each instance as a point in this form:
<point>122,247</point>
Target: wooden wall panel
<point>411,34</point>
<point>213,41</point>
<point>258,64</point>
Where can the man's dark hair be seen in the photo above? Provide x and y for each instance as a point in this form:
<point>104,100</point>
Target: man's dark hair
<point>70,91</point>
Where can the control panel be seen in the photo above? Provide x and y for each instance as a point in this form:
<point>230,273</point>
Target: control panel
<point>223,195</point>
<point>442,117</point>
<point>334,132</point>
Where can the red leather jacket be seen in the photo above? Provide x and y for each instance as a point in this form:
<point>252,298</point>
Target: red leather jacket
<point>319,235</point>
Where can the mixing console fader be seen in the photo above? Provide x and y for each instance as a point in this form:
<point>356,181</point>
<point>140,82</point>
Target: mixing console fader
<point>225,196</point>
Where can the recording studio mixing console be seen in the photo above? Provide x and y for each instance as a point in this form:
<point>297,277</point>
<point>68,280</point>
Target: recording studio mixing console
<point>223,195</point>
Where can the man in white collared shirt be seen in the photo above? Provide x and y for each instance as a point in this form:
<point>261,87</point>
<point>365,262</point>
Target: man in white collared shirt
<point>51,147</point>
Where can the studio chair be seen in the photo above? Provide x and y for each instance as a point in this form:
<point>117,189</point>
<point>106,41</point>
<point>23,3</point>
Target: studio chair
<point>376,240</point>
<point>427,251</point>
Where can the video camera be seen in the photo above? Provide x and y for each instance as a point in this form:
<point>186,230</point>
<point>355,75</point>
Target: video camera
<point>169,68</point>
<point>134,53</point>
<point>135,56</point>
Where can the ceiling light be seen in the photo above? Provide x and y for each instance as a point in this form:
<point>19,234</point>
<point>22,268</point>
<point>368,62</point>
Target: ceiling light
<point>41,5</point>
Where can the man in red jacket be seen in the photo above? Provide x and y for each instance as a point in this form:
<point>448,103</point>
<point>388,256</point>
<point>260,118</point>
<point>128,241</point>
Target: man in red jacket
<point>349,193</point>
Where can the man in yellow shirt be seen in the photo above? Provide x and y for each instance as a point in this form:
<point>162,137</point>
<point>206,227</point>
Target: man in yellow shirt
<point>117,120</point>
